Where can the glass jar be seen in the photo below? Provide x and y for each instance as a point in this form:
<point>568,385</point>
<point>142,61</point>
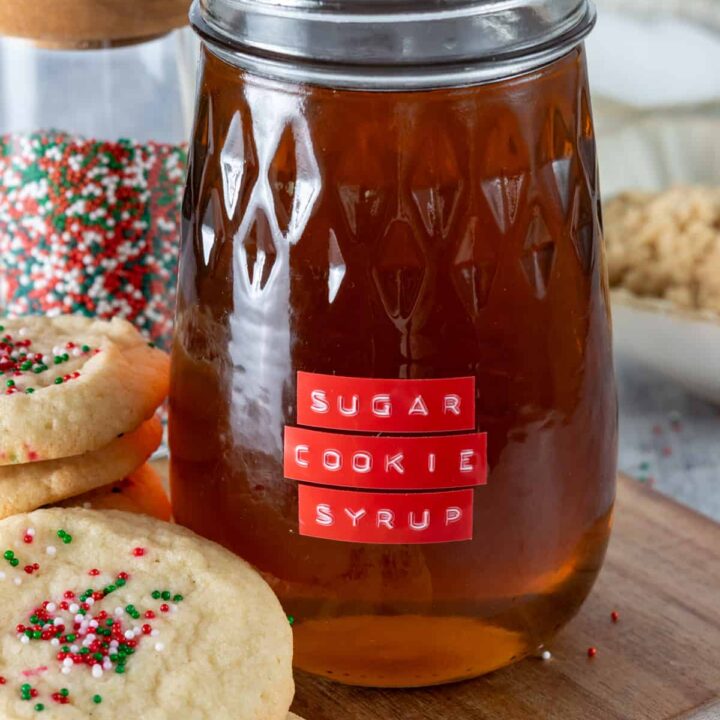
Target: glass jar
<point>95,115</point>
<point>392,386</point>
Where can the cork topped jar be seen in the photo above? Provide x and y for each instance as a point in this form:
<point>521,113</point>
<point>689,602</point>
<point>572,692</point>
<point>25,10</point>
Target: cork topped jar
<point>93,126</point>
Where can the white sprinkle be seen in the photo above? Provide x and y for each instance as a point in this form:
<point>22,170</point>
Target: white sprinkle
<point>24,639</point>
<point>90,637</point>
<point>51,607</point>
<point>173,608</point>
<point>155,633</point>
<point>58,621</point>
<point>93,623</point>
<point>30,532</point>
<point>74,608</point>
<point>66,670</point>
<point>18,581</point>
<point>79,618</point>
<point>90,601</point>
<point>546,655</point>
<point>107,664</point>
<point>119,611</point>
<point>74,648</point>
<point>129,634</point>
<point>68,662</point>
<point>2,575</point>
<point>51,550</point>
<point>97,671</point>
<point>23,331</point>
<point>77,352</point>
<point>159,647</point>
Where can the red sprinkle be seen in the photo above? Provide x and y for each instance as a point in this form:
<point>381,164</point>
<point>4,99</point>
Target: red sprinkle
<point>149,614</point>
<point>614,616</point>
<point>123,576</point>
<point>27,539</point>
<point>2,680</point>
<point>164,608</point>
<point>592,652</point>
<point>29,569</point>
<point>147,629</point>
<point>138,552</point>
<point>94,572</point>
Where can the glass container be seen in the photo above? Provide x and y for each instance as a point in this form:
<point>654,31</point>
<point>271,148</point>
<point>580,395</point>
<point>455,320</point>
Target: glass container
<point>392,385</point>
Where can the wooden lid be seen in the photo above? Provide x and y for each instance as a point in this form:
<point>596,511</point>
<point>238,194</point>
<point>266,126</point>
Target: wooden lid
<point>87,23</point>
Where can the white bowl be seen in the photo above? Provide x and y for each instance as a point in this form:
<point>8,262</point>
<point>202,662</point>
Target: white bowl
<point>682,345</point>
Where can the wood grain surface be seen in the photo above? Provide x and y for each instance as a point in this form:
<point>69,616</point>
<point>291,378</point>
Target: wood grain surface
<point>661,661</point>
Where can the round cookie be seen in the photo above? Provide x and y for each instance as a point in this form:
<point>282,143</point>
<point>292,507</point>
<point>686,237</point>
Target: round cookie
<point>133,617</point>
<point>140,492</point>
<point>32,485</point>
<point>72,384</point>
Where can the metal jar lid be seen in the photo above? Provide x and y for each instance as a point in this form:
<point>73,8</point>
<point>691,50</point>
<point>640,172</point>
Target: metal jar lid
<point>392,43</point>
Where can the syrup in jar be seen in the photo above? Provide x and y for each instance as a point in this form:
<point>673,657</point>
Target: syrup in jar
<point>392,386</point>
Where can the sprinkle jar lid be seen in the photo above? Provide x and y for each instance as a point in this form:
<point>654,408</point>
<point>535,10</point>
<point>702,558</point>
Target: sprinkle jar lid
<point>89,23</point>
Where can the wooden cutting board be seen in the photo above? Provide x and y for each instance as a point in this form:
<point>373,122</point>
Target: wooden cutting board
<point>661,660</point>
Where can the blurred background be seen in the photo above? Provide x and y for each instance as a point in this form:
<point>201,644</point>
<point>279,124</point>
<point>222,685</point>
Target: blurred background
<point>656,97</point>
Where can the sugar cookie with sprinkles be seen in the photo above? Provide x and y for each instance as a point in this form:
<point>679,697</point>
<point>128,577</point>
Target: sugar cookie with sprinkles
<point>140,492</point>
<point>70,385</point>
<point>111,615</point>
<point>31,485</point>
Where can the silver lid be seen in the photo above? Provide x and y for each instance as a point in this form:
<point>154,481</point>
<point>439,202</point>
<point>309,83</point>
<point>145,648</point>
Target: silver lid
<point>390,43</point>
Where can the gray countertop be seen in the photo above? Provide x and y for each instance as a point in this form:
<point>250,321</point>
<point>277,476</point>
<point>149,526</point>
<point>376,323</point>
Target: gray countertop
<point>669,438</point>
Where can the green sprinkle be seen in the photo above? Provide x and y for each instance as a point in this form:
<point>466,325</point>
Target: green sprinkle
<point>156,594</point>
<point>65,648</point>
<point>85,348</point>
<point>26,365</point>
<point>26,688</point>
<point>65,357</point>
<point>98,656</point>
<point>14,562</point>
<point>39,707</point>
<point>64,692</point>
<point>291,619</point>
<point>37,634</point>
<point>10,383</point>
<point>120,582</point>
<point>61,533</point>
<point>67,539</point>
<point>8,554</point>
<point>70,638</point>
<point>151,344</point>
<point>109,589</point>
<point>130,609</point>
<point>110,622</point>
<point>97,699</point>
<point>166,595</point>
<point>57,360</point>
<point>58,381</point>
<point>120,669</point>
<point>30,391</point>
<point>178,598</point>
<point>85,651</point>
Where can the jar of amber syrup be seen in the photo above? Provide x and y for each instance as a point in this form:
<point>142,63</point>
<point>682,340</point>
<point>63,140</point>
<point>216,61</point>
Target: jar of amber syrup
<point>392,386</point>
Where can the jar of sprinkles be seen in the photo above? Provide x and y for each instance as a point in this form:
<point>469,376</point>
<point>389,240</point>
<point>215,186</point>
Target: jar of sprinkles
<point>95,111</point>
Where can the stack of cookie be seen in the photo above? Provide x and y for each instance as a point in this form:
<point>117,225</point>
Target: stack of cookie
<point>78,399</point>
<point>109,614</point>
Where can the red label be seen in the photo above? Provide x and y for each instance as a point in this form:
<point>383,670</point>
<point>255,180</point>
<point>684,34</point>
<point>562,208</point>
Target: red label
<point>391,406</point>
<point>385,463</point>
<point>385,518</point>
